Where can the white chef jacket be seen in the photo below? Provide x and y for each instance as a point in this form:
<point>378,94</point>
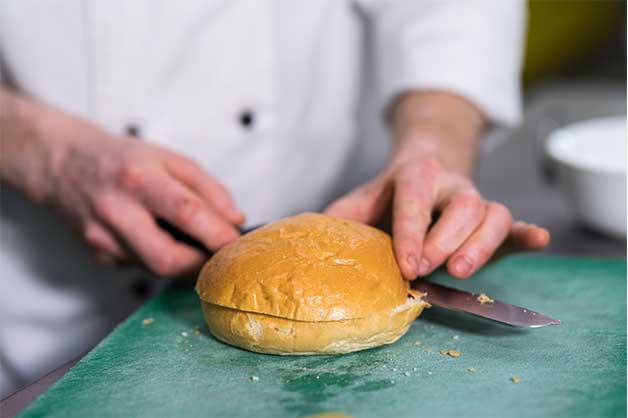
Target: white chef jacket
<point>280,100</point>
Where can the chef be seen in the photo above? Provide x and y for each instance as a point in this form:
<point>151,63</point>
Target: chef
<point>119,117</point>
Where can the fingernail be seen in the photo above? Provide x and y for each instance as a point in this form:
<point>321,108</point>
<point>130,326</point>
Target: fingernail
<point>411,262</point>
<point>424,266</point>
<point>462,265</point>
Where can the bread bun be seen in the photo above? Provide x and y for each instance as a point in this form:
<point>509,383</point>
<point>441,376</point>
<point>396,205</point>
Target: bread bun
<point>308,284</point>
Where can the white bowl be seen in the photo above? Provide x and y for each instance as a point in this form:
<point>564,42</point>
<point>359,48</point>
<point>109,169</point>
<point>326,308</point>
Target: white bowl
<point>590,157</point>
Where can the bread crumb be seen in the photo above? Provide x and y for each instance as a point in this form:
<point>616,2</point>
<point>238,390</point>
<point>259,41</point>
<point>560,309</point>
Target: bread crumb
<point>484,300</point>
<point>148,321</point>
<point>254,378</point>
<point>418,343</point>
<point>414,369</point>
<point>406,373</point>
<point>392,381</point>
<point>427,350</point>
<point>318,377</point>
<point>197,331</point>
<point>515,380</point>
<point>471,370</point>
<point>184,334</point>
<point>456,337</point>
<point>429,373</point>
<point>394,370</point>
<point>450,353</point>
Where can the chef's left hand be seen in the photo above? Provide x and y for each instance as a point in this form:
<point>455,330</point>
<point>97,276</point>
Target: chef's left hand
<point>435,139</point>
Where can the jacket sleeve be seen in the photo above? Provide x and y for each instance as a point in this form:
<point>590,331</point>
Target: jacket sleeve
<point>472,48</point>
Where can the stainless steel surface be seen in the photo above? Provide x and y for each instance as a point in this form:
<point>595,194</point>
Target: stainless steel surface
<point>13,404</point>
<point>460,300</point>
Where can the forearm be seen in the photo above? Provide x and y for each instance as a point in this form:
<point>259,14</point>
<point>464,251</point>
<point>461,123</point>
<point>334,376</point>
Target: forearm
<point>437,125</point>
<point>27,159</point>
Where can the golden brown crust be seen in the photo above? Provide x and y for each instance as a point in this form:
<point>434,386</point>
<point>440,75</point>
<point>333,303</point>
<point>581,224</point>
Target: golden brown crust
<point>308,267</point>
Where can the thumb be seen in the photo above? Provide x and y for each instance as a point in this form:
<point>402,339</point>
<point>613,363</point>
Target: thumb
<point>365,203</point>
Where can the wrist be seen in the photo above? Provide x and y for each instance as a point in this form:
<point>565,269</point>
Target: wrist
<point>438,126</point>
<point>31,151</point>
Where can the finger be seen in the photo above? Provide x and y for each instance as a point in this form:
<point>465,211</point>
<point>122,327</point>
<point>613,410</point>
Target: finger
<point>412,209</point>
<point>211,190</point>
<point>183,209</point>
<point>481,245</point>
<point>103,241</point>
<point>524,236</point>
<point>460,216</point>
<point>157,250</point>
<point>105,259</point>
<point>364,204</point>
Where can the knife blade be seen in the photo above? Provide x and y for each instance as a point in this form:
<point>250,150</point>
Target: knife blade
<point>460,300</point>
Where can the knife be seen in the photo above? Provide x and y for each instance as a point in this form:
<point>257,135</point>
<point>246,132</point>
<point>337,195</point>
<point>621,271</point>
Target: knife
<point>460,300</point>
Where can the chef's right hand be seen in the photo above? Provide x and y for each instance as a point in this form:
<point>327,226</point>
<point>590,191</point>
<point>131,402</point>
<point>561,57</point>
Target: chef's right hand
<point>116,188</point>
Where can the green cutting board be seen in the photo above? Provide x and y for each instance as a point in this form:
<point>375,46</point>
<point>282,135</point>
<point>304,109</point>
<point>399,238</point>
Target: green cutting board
<point>166,369</point>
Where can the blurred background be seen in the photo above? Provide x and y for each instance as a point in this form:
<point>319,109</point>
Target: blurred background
<point>575,40</point>
<point>575,69</point>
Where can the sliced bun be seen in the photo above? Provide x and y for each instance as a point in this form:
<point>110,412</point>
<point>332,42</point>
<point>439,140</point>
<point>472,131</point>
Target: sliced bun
<point>308,284</point>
